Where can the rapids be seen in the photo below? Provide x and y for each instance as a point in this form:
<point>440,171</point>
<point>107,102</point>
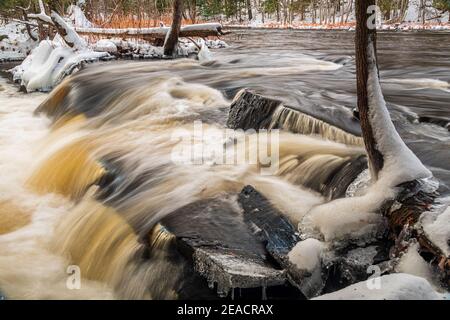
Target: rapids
<point>89,172</point>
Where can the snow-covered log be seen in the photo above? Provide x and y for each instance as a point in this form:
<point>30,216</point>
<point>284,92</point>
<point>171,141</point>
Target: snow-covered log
<point>197,30</point>
<point>41,16</point>
<point>69,35</point>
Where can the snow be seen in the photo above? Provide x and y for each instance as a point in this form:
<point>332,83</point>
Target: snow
<point>397,286</point>
<point>434,20</point>
<point>436,225</point>
<point>306,254</point>
<point>105,45</point>
<point>202,26</point>
<point>148,31</point>
<point>214,44</point>
<point>400,163</point>
<point>77,17</point>
<point>412,263</point>
<point>348,218</point>
<point>72,36</point>
<point>17,44</point>
<point>49,63</point>
<point>204,55</point>
<point>41,15</point>
<point>124,32</point>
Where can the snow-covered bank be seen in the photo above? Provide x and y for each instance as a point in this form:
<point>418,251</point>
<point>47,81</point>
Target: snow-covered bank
<point>343,27</point>
<point>49,63</point>
<point>52,61</point>
<point>15,43</point>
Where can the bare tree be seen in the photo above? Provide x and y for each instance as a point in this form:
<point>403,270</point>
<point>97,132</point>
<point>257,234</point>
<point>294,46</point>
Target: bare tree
<point>364,37</point>
<point>172,38</point>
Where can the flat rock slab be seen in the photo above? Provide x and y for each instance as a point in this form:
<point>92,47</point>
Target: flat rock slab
<point>228,271</point>
<point>223,248</point>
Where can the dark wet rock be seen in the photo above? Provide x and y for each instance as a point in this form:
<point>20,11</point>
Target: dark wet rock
<point>280,236</point>
<point>338,182</point>
<point>354,264</point>
<point>268,223</point>
<point>251,111</point>
<point>223,250</point>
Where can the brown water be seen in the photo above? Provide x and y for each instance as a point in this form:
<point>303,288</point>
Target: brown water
<point>87,180</point>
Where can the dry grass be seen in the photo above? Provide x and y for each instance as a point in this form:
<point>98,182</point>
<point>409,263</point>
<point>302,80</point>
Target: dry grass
<point>122,22</point>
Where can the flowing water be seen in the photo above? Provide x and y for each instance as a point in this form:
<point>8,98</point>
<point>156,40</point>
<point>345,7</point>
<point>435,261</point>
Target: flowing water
<point>87,179</point>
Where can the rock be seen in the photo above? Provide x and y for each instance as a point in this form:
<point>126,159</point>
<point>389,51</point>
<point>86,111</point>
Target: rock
<point>280,237</point>
<point>251,111</point>
<point>225,251</point>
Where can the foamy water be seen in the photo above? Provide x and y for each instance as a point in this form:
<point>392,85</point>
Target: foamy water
<point>57,217</point>
<point>28,267</point>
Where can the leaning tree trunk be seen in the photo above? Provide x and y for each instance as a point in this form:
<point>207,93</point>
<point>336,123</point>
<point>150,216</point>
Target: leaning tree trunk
<point>414,197</point>
<point>172,38</point>
<point>364,36</point>
<point>249,10</point>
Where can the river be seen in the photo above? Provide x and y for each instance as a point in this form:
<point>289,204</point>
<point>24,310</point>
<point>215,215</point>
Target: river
<point>86,179</point>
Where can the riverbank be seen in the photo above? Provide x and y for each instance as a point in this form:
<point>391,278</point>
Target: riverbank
<point>400,27</point>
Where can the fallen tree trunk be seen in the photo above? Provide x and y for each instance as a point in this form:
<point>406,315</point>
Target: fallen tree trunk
<point>196,30</point>
<point>69,35</point>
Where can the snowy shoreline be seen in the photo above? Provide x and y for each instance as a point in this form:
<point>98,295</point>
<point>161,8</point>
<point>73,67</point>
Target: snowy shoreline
<point>384,28</point>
